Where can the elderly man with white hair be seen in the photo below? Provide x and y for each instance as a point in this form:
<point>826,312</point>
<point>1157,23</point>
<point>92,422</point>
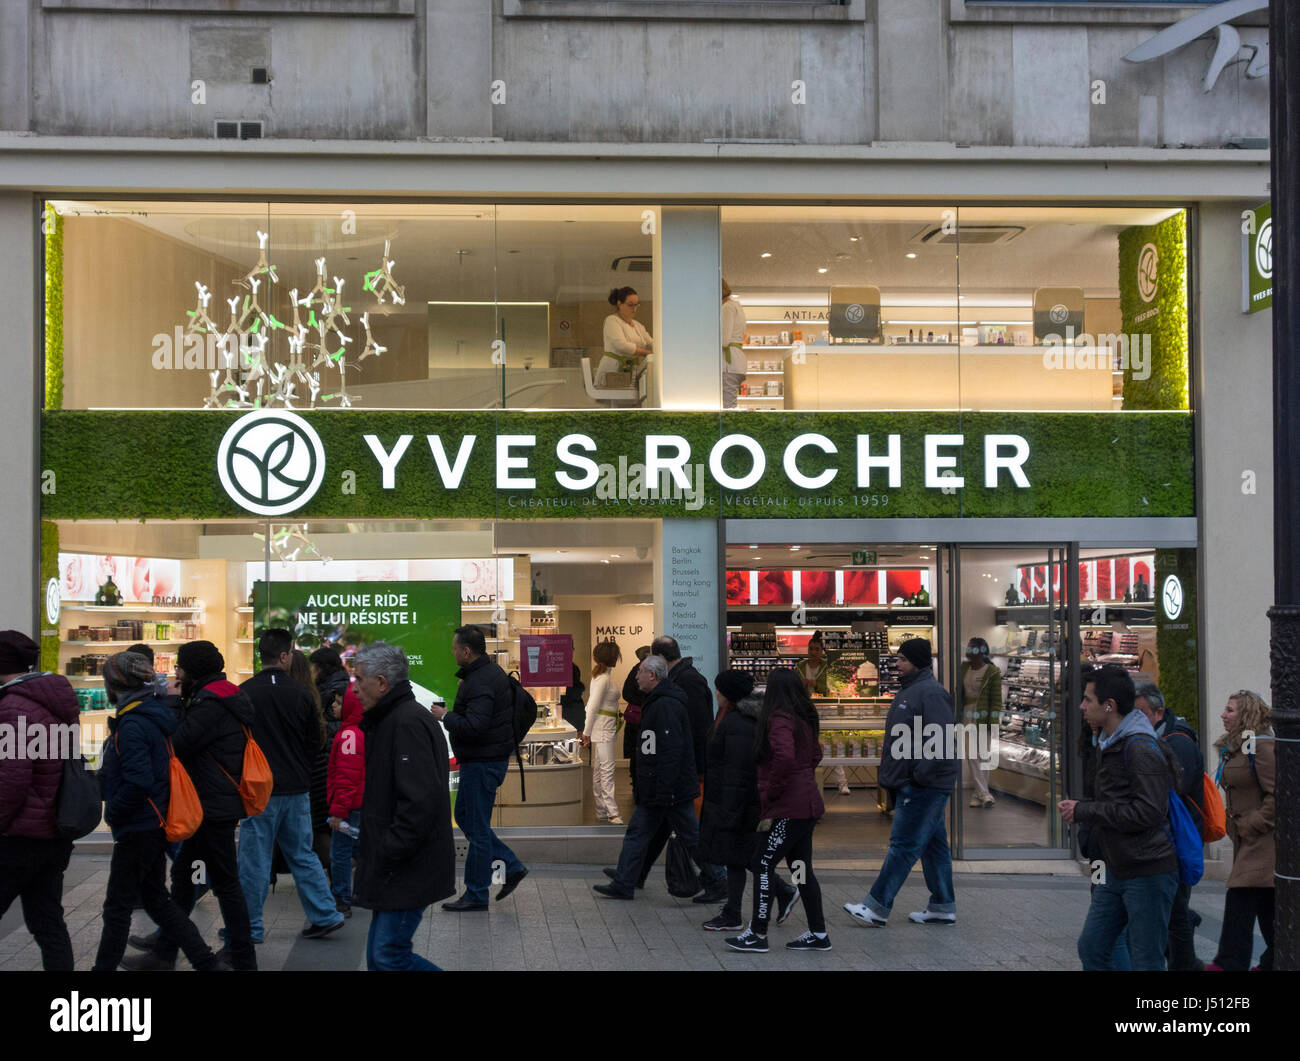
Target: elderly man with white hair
<point>407,859</point>
<point>667,783</point>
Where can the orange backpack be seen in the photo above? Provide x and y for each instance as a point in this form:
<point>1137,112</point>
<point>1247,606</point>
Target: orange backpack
<point>184,811</point>
<point>256,781</point>
<point>1214,822</point>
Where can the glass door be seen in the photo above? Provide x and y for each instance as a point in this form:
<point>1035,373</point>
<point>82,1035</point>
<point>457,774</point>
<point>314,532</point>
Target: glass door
<point>1010,629</point>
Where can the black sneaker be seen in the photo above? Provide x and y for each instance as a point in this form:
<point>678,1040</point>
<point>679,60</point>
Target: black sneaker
<point>808,941</point>
<point>611,891</point>
<point>313,931</point>
<point>723,923</point>
<point>147,963</point>
<point>748,941</point>
<point>711,897</point>
<point>785,909</point>
<point>149,942</point>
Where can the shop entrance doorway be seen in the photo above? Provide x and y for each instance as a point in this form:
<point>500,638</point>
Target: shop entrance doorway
<point>837,614</point>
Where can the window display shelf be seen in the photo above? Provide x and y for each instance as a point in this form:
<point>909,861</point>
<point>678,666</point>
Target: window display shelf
<point>111,644</point>
<point>80,606</point>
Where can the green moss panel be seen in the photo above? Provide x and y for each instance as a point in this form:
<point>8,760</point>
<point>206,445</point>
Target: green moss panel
<point>1176,639</point>
<point>53,229</point>
<point>1163,317</point>
<point>49,570</point>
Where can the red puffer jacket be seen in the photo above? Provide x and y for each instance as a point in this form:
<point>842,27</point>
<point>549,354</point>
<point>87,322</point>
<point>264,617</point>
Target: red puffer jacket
<point>787,780</point>
<point>29,787</point>
<point>346,780</point>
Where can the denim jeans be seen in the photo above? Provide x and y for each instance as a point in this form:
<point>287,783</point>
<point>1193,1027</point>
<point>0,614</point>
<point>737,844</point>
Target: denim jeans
<point>1140,904</point>
<point>342,848</point>
<point>1182,946</point>
<point>474,801</point>
<point>918,832</point>
<point>286,821</point>
<point>388,943</point>
<point>646,820</point>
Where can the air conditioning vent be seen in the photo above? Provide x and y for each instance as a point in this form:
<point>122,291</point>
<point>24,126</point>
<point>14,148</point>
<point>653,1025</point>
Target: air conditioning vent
<point>971,235</point>
<point>259,75</point>
<point>633,263</point>
<point>231,130</point>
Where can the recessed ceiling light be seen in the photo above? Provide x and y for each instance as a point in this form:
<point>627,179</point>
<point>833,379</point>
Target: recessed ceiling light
<point>766,254</point>
<point>604,561</point>
<point>823,269</point>
<point>910,254</point>
<point>616,556</point>
<point>854,239</point>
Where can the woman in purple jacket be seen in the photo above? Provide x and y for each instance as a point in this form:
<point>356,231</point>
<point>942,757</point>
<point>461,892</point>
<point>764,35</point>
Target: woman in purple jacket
<point>787,751</point>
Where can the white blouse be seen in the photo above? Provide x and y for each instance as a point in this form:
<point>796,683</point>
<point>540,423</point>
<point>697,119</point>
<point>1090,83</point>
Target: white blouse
<point>603,697</point>
<point>623,337</point>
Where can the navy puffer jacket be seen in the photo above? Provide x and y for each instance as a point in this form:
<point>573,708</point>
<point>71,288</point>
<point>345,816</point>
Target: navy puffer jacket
<point>134,777</point>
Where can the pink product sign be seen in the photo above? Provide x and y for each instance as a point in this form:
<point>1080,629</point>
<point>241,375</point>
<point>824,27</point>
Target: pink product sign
<point>546,659</point>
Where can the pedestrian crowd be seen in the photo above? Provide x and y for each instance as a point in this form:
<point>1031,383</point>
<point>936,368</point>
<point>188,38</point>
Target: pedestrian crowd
<point>342,780</point>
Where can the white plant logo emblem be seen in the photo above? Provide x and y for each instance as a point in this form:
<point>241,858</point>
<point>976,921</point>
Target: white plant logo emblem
<point>1147,272</point>
<point>1059,313</point>
<point>855,314</point>
<point>1264,250</point>
<point>1171,595</point>
<point>271,462</point>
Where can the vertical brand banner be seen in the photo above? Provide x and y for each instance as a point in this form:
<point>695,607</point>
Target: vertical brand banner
<point>1257,260</point>
<point>419,616</point>
<point>546,660</point>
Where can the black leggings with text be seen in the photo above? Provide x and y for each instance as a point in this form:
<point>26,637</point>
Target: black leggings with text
<point>789,839</point>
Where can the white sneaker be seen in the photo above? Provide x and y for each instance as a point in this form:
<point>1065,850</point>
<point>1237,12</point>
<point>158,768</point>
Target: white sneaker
<point>989,803</point>
<point>929,917</point>
<point>975,802</point>
<point>616,821</point>
<point>845,790</point>
<point>860,913</point>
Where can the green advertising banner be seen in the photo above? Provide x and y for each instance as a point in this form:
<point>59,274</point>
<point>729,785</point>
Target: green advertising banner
<point>1175,593</point>
<point>619,463</point>
<point>1153,313</point>
<point>419,616</point>
<point>1257,259</point>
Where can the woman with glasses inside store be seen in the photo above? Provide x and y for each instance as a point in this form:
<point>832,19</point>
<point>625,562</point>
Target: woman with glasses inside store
<point>626,340</point>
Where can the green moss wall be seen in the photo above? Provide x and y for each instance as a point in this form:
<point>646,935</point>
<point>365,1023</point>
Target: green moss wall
<point>1166,386</point>
<point>162,465</point>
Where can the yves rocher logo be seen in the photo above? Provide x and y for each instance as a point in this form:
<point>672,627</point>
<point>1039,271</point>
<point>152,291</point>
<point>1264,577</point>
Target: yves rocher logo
<point>271,462</point>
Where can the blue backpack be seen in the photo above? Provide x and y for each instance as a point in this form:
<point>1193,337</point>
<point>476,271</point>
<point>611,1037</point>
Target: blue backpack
<point>1181,829</point>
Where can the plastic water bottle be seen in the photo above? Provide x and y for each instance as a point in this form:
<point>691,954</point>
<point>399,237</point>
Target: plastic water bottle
<point>348,829</point>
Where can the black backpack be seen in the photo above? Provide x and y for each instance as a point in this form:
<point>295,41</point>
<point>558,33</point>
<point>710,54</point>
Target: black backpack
<point>522,720</point>
<point>79,806</point>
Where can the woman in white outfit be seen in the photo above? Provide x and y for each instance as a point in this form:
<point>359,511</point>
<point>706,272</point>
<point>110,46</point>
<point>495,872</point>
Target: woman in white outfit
<point>601,728</point>
<point>733,347</point>
<point>625,338</point>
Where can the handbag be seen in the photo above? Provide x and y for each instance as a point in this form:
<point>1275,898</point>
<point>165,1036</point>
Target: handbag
<point>683,881</point>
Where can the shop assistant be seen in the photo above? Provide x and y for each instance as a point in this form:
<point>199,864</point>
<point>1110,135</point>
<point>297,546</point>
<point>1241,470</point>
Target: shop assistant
<point>625,338</point>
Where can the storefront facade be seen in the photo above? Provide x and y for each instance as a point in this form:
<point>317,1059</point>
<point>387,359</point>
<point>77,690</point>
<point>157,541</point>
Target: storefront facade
<point>965,371</point>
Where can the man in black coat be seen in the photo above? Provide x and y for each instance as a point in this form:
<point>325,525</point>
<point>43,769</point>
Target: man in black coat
<point>699,708</point>
<point>667,781</point>
<point>286,728</point>
<point>406,859</point>
<point>1183,742</point>
<point>481,724</point>
<point>210,745</point>
<point>632,715</point>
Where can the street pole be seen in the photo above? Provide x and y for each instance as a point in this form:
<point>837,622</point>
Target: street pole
<point>1284,650</point>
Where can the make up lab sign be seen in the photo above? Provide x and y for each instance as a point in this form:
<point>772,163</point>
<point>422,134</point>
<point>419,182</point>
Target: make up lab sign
<point>1171,597</point>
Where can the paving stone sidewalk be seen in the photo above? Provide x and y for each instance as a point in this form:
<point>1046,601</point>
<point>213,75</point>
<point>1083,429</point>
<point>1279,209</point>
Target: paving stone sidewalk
<point>554,921</point>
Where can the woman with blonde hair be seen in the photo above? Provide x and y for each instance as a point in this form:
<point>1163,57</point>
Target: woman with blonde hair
<point>1246,773</point>
<point>601,729</point>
